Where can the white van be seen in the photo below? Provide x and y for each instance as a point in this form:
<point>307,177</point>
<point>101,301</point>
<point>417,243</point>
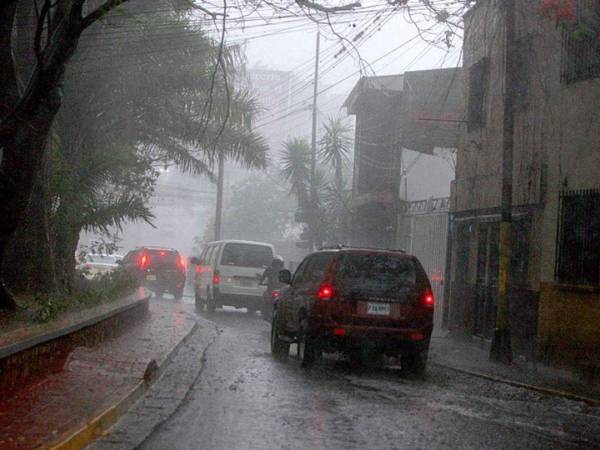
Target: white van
<point>229,273</point>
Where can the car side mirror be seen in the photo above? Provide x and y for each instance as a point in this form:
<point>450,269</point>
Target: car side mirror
<point>194,260</point>
<point>285,276</point>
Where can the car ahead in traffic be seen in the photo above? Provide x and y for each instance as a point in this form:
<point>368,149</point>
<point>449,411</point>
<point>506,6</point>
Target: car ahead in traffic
<point>359,301</point>
<point>158,268</point>
<point>229,273</point>
<point>94,264</point>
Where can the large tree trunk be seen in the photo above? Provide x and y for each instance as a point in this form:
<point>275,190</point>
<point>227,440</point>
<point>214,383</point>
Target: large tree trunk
<point>29,263</point>
<point>24,132</point>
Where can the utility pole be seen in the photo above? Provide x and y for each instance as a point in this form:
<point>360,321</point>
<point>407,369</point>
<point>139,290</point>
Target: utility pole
<point>219,209</point>
<point>501,349</point>
<point>313,157</point>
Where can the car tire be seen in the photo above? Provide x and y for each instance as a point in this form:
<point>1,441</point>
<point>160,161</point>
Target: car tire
<point>414,363</point>
<point>308,351</point>
<point>178,293</point>
<point>211,306</point>
<point>279,347</point>
<point>198,302</point>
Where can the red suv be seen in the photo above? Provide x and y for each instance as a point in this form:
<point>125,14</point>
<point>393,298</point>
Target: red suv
<point>359,301</point>
<point>158,268</point>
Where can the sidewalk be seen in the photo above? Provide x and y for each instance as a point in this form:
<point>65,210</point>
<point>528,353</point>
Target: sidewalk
<point>471,356</point>
<point>92,381</point>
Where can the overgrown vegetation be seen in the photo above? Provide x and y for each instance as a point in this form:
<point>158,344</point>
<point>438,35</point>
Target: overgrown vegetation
<point>324,201</point>
<point>129,110</point>
<point>101,289</point>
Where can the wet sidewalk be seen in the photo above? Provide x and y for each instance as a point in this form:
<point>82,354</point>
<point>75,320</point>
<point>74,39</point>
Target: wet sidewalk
<point>92,380</point>
<point>473,356</point>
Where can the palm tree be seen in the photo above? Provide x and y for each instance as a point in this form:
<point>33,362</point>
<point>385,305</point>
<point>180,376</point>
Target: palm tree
<point>335,146</point>
<point>295,168</point>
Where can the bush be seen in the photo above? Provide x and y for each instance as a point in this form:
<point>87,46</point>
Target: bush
<point>102,289</point>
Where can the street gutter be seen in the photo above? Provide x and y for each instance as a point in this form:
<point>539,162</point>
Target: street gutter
<point>531,387</point>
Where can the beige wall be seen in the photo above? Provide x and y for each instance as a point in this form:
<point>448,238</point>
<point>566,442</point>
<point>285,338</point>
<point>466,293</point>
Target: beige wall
<point>557,132</point>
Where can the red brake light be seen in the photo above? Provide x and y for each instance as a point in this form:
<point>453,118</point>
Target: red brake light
<point>198,269</point>
<point>325,292</point>
<point>181,263</point>
<point>428,299</point>
<point>275,294</point>
<point>216,278</point>
<point>144,261</point>
<point>162,253</point>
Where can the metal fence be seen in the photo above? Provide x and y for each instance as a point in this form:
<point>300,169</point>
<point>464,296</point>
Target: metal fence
<point>423,232</point>
<point>578,237</point>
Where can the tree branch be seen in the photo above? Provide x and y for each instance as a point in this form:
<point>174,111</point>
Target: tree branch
<point>100,12</point>
<point>327,9</point>
<point>212,14</point>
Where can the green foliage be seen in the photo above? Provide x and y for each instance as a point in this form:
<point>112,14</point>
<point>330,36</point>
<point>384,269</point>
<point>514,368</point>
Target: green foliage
<point>295,168</point>
<point>131,109</point>
<point>104,288</point>
<point>328,214</point>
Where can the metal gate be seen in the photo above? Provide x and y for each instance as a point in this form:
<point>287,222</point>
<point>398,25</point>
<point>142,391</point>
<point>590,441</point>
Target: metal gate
<point>423,232</point>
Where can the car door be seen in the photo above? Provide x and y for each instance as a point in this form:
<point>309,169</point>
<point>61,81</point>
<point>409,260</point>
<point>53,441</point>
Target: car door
<point>306,288</point>
<point>287,302</point>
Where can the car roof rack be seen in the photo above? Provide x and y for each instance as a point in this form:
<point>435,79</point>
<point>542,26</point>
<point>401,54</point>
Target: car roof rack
<point>358,247</point>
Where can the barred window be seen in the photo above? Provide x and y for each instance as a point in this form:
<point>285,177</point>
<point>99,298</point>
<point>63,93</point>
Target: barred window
<point>581,43</point>
<point>578,237</point>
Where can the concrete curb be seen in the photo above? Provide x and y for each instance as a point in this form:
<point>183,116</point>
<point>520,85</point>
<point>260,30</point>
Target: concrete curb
<point>98,425</point>
<point>531,387</point>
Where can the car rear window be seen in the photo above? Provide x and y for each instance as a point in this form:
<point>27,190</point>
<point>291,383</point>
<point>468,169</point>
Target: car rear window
<point>246,255</point>
<point>163,257</point>
<point>378,275</point>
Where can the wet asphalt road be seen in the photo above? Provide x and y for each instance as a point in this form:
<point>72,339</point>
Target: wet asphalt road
<point>246,399</point>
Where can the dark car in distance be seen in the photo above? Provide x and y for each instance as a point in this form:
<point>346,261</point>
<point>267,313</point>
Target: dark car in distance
<point>158,268</point>
<point>358,301</point>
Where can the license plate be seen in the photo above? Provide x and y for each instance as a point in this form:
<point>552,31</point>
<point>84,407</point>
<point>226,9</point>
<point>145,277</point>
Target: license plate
<point>378,309</point>
<point>151,277</point>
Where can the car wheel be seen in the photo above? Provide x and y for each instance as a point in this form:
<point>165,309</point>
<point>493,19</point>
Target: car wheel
<point>308,351</point>
<point>414,363</point>
<point>211,306</point>
<point>198,302</point>
<point>278,346</point>
<point>178,293</point>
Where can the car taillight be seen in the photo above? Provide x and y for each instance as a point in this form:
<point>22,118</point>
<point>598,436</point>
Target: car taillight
<point>181,263</point>
<point>217,278</point>
<point>325,292</point>
<point>198,269</point>
<point>275,294</point>
<point>428,299</point>
<point>144,261</point>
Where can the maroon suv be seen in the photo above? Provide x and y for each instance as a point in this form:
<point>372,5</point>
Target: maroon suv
<point>158,268</point>
<point>357,301</point>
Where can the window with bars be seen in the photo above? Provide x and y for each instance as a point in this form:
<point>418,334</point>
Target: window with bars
<point>578,237</point>
<point>581,43</point>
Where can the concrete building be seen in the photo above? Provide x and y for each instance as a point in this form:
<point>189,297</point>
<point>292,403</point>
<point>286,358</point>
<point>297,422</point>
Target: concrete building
<point>554,296</point>
<point>401,120</point>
